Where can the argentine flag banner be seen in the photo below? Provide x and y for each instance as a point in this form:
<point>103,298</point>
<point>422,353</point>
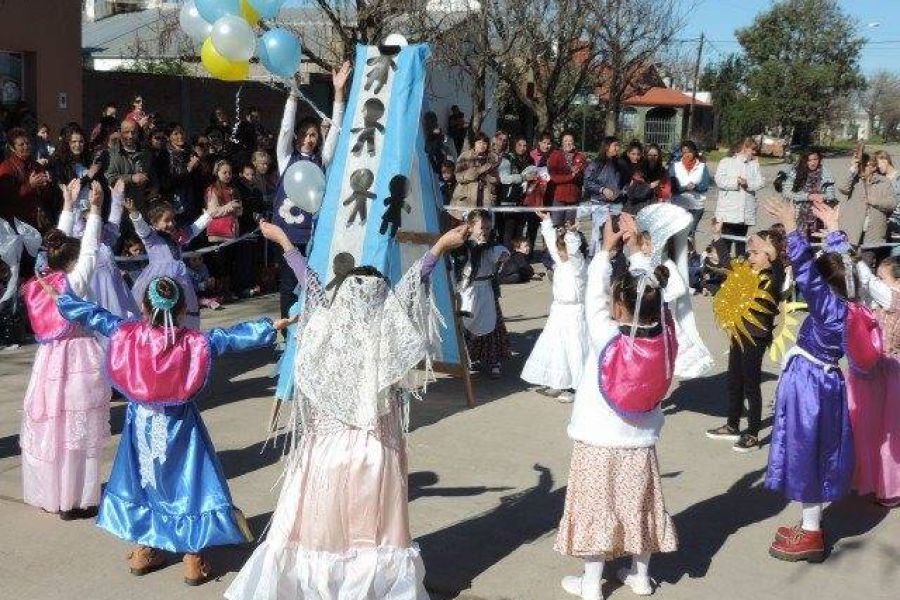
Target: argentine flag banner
<point>382,201</point>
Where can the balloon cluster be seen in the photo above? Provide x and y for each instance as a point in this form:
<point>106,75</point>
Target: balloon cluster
<point>226,33</point>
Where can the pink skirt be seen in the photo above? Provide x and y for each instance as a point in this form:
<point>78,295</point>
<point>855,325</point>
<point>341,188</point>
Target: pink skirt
<point>614,505</point>
<point>65,425</point>
<point>874,403</point>
<point>341,526</point>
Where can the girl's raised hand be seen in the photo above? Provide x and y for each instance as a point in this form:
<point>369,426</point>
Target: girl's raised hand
<point>273,232</point>
<point>830,216</point>
<point>611,238</point>
<point>782,211</point>
<point>96,197</point>
<point>340,76</point>
<point>453,239</point>
<point>119,188</point>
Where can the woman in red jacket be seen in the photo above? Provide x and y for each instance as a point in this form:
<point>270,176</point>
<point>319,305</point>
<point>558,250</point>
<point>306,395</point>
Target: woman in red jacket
<point>566,166</point>
<point>24,184</point>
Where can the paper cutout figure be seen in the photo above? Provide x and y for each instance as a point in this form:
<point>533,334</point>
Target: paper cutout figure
<point>373,109</point>
<point>381,67</point>
<point>360,182</point>
<point>342,264</point>
<point>399,188</point>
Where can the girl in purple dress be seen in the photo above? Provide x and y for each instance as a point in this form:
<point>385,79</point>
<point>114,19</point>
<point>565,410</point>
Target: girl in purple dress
<point>164,242</point>
<point>107,284</point>
<point>811,457</point>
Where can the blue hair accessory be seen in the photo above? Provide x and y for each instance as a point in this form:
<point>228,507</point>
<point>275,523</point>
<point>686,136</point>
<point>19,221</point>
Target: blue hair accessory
<point>164,305</point>
<point>837,242</point>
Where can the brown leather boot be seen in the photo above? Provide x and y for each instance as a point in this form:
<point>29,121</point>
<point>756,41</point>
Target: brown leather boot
<point>144,559</point>
<point>196,570</point>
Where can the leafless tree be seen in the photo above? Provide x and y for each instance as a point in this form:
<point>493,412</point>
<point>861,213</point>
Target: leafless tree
<point>880,99</point>
<point>631,36</point>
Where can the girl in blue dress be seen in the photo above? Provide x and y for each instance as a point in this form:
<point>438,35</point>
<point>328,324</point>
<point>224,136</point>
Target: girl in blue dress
<point>166,491</point>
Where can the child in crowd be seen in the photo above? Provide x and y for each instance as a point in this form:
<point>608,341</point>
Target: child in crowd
<point>164,242</point>
<point>517,268</point>
<point>65,422</point>
<point>695,268</point>
<point>811,457</point>
<point>614,503</point>
<point>714,272</point>
<point>479,261</point>
<point>131,269</point>
<point>874,389</point>
<point>166,491</point>
<point>448,180</point>
<point>745,356</point>
<point>205,285</point>
<point>557,360</point>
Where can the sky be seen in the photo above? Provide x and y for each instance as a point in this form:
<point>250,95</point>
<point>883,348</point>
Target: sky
<point>718,19</point>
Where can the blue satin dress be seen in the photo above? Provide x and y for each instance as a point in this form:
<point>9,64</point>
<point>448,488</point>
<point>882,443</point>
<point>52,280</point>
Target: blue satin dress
<point>284,387</point>
<point>166,489</point>
<point>811,456</point>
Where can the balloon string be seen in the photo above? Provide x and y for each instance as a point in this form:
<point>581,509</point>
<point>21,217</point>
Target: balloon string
<point>237,114</point>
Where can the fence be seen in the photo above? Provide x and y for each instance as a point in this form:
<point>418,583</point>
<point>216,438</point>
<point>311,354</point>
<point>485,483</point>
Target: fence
<point>660,132</point>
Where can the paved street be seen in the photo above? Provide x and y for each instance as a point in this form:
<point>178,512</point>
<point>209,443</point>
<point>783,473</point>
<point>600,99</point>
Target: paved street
<point>486,489</point>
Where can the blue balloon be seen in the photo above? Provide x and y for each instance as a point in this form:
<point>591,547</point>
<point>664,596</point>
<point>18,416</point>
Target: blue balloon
<point>279,52</point>
<point>213,10</point>
<point>267,9</point>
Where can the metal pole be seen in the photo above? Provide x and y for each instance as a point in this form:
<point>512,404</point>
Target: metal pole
<point>690,123</point>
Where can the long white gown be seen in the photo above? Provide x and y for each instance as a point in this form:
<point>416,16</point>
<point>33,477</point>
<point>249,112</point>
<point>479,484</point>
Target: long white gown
<point>557,359</point>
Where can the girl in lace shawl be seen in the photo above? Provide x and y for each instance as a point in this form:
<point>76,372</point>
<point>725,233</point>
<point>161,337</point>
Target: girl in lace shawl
<point>341,526</point>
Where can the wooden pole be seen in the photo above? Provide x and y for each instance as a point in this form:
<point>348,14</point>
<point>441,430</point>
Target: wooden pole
<point>690,121</point>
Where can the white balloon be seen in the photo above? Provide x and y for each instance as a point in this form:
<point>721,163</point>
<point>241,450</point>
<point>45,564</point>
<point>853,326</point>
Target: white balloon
<point>304,184</point>
<point>233,38</point>
<point>395,39</point>
<point>192,23</point>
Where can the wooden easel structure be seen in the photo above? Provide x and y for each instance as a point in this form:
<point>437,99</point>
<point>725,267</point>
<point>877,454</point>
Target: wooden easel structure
<point>462,369</point>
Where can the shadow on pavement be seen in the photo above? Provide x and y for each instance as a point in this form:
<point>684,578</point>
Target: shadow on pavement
<point>456,555</point>
<point>705,396</point>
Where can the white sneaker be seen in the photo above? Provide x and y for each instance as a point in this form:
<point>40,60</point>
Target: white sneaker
<point>572,585</point>
<point>640,586</point>
<point>566,397</point>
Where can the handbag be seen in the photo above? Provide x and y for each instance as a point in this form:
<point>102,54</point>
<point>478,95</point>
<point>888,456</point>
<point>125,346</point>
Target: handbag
<point>223,227</point>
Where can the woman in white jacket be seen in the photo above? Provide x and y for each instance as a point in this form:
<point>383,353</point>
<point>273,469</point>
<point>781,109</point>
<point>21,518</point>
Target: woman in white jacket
<point>738,178</point>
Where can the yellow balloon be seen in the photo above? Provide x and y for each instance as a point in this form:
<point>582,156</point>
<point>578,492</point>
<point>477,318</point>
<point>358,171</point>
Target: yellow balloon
<point>220,67</point>
<point>249,12</point>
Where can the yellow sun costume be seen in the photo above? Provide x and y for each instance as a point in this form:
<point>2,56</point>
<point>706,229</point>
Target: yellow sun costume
<point>738,298</point>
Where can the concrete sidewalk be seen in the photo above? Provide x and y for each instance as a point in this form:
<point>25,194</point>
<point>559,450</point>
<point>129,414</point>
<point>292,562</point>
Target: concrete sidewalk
<point>486,489</point>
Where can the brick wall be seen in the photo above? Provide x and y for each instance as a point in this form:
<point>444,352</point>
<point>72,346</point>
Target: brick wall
<point>190,100</point>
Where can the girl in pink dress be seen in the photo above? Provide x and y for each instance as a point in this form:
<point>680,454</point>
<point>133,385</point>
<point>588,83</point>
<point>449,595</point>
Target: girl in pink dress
<point>65,422</point>
<point>874,385</point>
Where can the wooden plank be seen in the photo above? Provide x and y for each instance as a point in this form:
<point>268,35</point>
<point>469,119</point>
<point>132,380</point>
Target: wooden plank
<point>417,237</point>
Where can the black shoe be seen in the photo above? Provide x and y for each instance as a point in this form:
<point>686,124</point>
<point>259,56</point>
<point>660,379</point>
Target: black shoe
<point>725,432</point>
<point>78,513</point>
<point>746,443</point>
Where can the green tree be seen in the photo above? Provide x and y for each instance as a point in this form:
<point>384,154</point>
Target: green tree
<point>802,55</point>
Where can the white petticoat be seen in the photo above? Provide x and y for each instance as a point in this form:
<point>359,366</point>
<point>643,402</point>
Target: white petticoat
<point>557,359</point>
<point>292,574</point>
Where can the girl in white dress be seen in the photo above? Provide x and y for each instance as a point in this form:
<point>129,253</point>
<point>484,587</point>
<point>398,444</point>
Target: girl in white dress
<point>557,360</point>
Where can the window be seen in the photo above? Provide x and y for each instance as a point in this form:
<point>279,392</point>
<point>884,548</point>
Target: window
<point>627,119</point>
<point>11,77</point>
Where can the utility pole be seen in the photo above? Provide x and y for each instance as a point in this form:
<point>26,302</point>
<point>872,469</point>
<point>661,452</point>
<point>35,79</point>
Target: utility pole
<point>690,120</point>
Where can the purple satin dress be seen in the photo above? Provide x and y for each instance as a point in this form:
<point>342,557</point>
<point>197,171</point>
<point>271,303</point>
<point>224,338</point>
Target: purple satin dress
<point>811,456</point>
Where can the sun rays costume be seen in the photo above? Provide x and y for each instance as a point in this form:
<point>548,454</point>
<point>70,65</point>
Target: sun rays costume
<point>166,489</point>
<point>341,526</point>
<point>669,222</point>
<point>65,422</point>
<point>811,456</point>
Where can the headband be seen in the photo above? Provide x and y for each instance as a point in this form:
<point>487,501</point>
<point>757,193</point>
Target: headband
<point>159,304</point>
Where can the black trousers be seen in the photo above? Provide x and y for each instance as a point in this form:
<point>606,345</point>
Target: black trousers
<point>744,373</point>
<point>738,230</point>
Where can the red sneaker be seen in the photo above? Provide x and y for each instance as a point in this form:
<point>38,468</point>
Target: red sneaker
<point>784,533</point>
<point>802,545</point>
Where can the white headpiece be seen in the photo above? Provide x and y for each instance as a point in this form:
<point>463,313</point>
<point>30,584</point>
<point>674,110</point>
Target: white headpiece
<point>350,353</point>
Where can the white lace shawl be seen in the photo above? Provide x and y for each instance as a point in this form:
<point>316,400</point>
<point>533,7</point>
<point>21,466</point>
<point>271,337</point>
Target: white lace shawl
<point>371,338</point>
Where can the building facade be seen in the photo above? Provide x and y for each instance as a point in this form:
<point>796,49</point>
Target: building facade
<point>40,60</point>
